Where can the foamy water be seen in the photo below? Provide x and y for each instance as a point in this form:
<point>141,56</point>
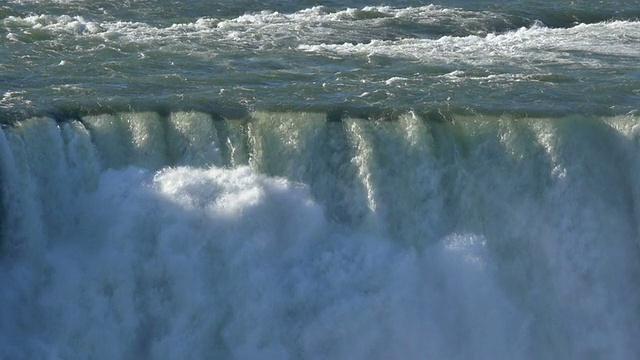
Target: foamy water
<point>520,244</point>
<point>355,180</point>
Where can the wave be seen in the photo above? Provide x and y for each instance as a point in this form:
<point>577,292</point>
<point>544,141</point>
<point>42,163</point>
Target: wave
<point>319,56</point>
<point>529,47</point>
<point>318,24</point>
<point>377,56</point>
<point>444,20</point>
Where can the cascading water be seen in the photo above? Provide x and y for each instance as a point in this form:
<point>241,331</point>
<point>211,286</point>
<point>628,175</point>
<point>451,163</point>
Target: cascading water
<point>285,235</point>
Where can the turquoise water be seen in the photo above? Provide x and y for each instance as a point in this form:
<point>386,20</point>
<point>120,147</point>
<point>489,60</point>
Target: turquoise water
<point>302,180</point>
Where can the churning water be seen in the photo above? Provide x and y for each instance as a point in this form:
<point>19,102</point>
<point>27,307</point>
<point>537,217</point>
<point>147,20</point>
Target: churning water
<point>242,180</point>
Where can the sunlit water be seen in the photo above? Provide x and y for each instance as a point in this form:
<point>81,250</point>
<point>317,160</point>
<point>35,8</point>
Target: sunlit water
<point>331,181</point>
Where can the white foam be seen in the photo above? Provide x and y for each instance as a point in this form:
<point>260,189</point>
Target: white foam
<point>266,28</point>
<point>363,32</point>
<point>187,262</point>
<point>406,239</point>
<point>529,47</point>
<point>14,98</point>
<point>193,262</point>
<point>62,24</point>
